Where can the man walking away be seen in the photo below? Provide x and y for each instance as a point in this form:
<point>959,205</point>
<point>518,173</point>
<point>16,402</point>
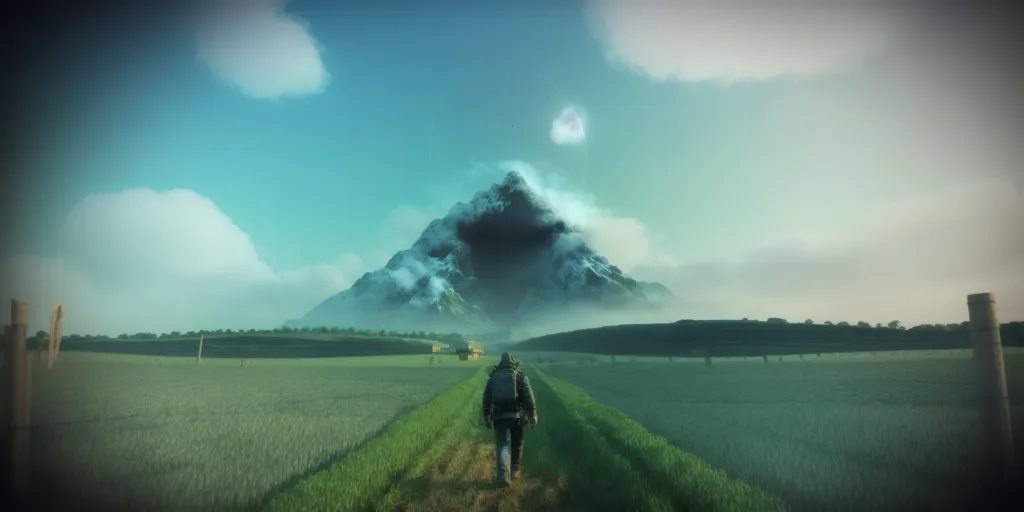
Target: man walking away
<point>508,405</point>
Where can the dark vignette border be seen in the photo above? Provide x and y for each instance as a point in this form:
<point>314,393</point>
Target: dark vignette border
<point>36,33</point>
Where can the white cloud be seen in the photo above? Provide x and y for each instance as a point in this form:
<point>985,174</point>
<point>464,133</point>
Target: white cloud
<point>143,260</point>
<point>256,47</point>
<point>915,260</point>
<point>567,128</point>
<point>737,40</point>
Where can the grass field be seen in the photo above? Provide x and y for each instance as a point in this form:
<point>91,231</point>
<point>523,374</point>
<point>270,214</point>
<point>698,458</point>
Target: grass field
<point>166,433</point>
<point>584,456</point>
<point>256,346</point>
<point>854,432</point>
<point>886,431</point>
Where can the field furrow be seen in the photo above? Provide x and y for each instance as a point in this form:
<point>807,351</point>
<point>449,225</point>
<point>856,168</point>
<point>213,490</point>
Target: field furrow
<point>174,435</point>
<point>886,432</point>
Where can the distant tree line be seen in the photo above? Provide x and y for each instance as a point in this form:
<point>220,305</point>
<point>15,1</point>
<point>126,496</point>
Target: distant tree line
<point>754,338</point>
<point>340,331</point>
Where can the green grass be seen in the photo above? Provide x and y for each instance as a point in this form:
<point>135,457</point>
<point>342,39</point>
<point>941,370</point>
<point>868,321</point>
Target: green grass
<point>610,460</point>
<point>414,360</point>
<point>856,432</point>
<point>360,480</point>
<point>606,460</point>
<point>166,433</point>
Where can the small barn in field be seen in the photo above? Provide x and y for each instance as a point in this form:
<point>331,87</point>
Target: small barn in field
<point>469,351</point>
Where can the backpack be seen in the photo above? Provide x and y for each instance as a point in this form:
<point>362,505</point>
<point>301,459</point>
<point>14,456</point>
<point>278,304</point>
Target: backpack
<point>505,388</point>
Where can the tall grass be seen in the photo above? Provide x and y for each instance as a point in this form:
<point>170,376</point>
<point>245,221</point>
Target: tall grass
<point>611,460</point>
<point>362,479</point>
<point>603,460</point>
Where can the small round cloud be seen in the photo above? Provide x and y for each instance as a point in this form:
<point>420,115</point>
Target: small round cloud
<point>567,128</point>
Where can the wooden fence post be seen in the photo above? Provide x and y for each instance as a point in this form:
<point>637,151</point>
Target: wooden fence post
<point>60,331</point>
<point>199,354</point>
<point>51,350</point>
<point>993,398</point>
<point>16,403</point>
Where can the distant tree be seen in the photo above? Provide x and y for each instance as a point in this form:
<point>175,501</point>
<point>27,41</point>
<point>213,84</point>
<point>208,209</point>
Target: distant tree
<point>953,327</point>
<point>895,324</point>
<point>382,333</point>
<point>227,331</point>
<point>828,322</point>
<point>251,331</point>
<point>843,324</point>
<point>809,321</point>
<point>745,319</point>
<point>191,334</point>
<point>335,329</point>
<point>863,324</point>
<point>122,336</point>
<point>176,334</point>
<point>878,325</point>
<point>285,329</point>
<point>41,339</point>
<point>774,320</point>
<point>325,330</point>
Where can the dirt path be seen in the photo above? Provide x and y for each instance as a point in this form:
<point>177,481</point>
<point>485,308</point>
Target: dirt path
<point>463,480</point>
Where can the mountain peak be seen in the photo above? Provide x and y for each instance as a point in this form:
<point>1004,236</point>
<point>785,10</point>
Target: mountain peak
<point>515,179</point>
<point>504,259</point>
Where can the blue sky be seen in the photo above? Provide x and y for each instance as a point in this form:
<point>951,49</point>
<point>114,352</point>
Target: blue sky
<point>705,163</point>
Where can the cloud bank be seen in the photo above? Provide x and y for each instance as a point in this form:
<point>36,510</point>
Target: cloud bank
<point>914,260</point>
<point>567,128</point>
<point>256,47</point>
<point>737,40</point>
<point>149,261</point>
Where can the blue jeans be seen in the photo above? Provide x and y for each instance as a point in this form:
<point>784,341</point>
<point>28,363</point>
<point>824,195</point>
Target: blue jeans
<point>508,454</point>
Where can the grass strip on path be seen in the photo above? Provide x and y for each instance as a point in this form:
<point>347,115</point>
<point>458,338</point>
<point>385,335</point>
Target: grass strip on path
<point>361,479</point>
<point>582,456</point>
<point>461,477</point>
<point>604,452</point>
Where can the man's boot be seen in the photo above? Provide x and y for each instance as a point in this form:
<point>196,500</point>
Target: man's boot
<point>502,477</point>
<point>517,463</point>
<point>502,480</point>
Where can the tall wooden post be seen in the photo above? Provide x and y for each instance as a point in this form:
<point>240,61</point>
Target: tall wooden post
<point>199,353</point>
<point>993,398</point>
<point>58,328</point>
<point>16,397</point>
<point>52,347</point>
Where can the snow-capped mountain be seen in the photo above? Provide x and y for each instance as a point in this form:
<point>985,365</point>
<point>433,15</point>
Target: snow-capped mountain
<point>503,260</point>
